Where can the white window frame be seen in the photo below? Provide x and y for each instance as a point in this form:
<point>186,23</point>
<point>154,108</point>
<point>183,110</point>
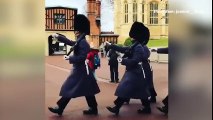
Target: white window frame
<point>153,13</point>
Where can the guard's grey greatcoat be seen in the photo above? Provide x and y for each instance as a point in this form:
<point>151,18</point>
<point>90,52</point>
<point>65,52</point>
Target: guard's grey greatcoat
<point>133,84</point>
<point>78,82</point>
<point>147,67</point>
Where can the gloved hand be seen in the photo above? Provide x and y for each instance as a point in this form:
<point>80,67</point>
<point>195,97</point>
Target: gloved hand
<point>54,38</point>
<point>119,59</point>
<point>66,57</point>
<point>55,35</point>
<point>108,44</point>
<point>87,60</point>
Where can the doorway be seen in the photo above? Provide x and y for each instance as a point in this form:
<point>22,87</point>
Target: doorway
<point>57,48</point>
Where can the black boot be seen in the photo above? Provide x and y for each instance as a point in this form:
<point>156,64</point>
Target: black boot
<point>146,110</point>
<point>153,95</point>
<point>127,101</point>
<point>56,110</point>
<point>117,81</point>
<point>91,111</point>
<point>163,109</point>
<point>152,99</point>
<point>114,110</point>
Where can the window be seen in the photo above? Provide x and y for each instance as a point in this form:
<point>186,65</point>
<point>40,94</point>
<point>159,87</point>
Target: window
<point>134,11</point>
<point>59,18</point>
<point>153,13</point>
<point>125,12</point>
<point>143,9</point>
<point>167,14</point>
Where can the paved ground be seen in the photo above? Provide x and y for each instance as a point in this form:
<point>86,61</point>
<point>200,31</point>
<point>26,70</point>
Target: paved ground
<point>56,72</point>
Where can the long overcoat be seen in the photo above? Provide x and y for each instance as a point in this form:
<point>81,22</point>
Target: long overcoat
<point>133,84</point>
<point>147,68</point>
<point>78,83</point>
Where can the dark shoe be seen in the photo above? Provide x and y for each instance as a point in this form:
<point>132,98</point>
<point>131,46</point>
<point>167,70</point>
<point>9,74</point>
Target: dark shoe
<point>163,109</point>
<point>127,102</point>
<point>91,111</point>
<point>117,81</point>
<point>56,110</point>
<point>113,110</point>
<point>111,81</point>
<point>144,111</point>
<point>152,99</point>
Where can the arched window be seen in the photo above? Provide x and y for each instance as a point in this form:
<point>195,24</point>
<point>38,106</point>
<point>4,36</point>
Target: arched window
<point>143,9</point>
<point>135,10</point>
<point>167,14</point>
<point>125,12</point>
<point>153,13</point>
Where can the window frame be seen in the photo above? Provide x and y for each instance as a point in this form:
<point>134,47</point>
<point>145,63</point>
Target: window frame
<point>167,14</point>
<point>143,12</point>
<point>126,12</point>
<point>135,10</point>
<point>153,16</point>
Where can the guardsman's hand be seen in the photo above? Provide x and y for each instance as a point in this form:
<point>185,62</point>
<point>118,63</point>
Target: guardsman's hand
<point>119,59</point>
<point>54,38</point>
<point>87,60</point>
<point>66,57</point>
<point>107,44</point>
<point>55,35</point>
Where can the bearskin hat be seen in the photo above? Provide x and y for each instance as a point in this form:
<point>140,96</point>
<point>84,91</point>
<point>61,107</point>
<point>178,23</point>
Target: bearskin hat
<point>82,24</point>
<point>139,32</point>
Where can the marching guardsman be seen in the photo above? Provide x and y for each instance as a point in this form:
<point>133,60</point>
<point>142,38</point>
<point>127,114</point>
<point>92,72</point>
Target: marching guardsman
<point>147,67</point>
<point>133,84</point>
<point>81,81</point>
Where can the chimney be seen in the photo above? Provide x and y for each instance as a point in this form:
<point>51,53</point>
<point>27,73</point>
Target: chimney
<point>98,9</point>
<point>92,13</point>
<point>91,6</point>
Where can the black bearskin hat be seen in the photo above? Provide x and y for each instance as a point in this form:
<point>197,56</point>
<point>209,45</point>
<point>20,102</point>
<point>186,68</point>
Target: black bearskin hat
<point>82,24</point>
<point>139,32</point>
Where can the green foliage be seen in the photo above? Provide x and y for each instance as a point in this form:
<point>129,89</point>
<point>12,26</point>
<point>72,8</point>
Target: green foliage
<point>128,42</point>
<point>163,42</point>
<point>120,45</point>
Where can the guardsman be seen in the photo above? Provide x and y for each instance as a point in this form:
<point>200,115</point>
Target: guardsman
<point>133,84</point>
<point>81,81</point>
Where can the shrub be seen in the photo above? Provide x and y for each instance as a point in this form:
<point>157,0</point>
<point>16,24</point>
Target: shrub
<point>120,45</point>
<point>128,42</point>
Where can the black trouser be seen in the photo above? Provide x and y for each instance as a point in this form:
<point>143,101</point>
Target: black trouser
<point>152,92</point>
<point>120,101</point>
<point>165,102</point>
<point>114,72</point>
<point>91,101</point>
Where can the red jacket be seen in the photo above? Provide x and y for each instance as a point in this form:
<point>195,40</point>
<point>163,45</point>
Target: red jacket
<point>90,57</point>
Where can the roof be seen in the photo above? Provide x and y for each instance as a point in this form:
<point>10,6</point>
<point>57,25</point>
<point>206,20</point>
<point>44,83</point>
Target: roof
<point>60,7</point>
<point>115,35</point>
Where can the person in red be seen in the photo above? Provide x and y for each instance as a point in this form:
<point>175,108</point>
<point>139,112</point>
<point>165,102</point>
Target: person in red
<point>93,59</point>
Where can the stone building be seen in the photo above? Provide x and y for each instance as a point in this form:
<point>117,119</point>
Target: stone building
<point>153,13</point>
